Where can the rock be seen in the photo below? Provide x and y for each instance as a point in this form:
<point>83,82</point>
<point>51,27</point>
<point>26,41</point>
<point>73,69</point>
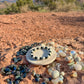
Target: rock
<point>58,80</point>
<point>82,63</point>
<point>83,68</point>
<point>55,81</point>
<point>68,58</point>
<point>82,80</point>
<point>50,71</point>
<point>61,77</point>
<point>46,79</point>
<point>51,43</point>
<point>77,67</point>
<point>74,74</point>
<point>72,53</point>
<point>81,53</point>
<point>72,81</point>
<point>77,59</point>
<point>33,73</point>
<point>58,66</point>
<point>71,67</point>
<point>70,63</point>
<point>61,53</point>
<point>62,73</point>
<point>55,74</point>
<point>43,45</point>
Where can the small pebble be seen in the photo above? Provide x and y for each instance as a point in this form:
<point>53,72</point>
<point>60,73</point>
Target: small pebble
<point>70,63</point>
<point>77,67</point>
<point>61,53</point>
<point>51,43</point>
<point>55,74</point>
<point>72,53</point>
<point>81,53</point>
<point>74,74</point>
<point>77,59</point>
<point>71,67</point>
<point>62,73</point>
<point>43,45</point>
<point>61,77</point>
<point>68,58</point>
<point>46,79</point>
<point>50,71</point>
<point>33,73</point>
<point>57,80</point>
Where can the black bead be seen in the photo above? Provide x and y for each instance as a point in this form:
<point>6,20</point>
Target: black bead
<point>41,58</point>
<point>37,48</point>
<point>49,54</point>
<point>33,49</point>
<point>45,47</point>
<point>46,57</point>
<point>35,57</point>
<point>41,47</point>
<point>31,55</point>
<point>48,48</point>
<point>49,51</point>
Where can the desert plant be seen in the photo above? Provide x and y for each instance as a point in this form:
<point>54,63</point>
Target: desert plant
<point>24,9</point>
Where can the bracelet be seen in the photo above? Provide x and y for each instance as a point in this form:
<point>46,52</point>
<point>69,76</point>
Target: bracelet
<point>40,58</point>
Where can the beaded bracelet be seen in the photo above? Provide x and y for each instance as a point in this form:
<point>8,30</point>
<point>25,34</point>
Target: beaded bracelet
<point>41,58</point>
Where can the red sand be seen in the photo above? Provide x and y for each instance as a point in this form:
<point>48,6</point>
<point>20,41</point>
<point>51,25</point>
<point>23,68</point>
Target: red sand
<point>21,29</point>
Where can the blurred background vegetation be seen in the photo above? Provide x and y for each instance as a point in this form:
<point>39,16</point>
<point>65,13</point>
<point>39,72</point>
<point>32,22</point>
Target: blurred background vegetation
<point>22,6</point>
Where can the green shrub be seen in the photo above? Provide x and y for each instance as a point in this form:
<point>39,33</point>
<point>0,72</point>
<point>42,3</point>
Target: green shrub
<point>24,9</point>
<point>47,5</point>
<point>12,9</point>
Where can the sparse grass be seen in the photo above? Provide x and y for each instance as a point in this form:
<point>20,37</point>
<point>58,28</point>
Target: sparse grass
<point>58,6</point>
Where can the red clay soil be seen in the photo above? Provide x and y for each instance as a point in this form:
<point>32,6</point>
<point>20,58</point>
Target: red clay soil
<point>21,29</point>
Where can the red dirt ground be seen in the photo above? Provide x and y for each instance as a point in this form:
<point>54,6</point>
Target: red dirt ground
<point>21,29</point>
